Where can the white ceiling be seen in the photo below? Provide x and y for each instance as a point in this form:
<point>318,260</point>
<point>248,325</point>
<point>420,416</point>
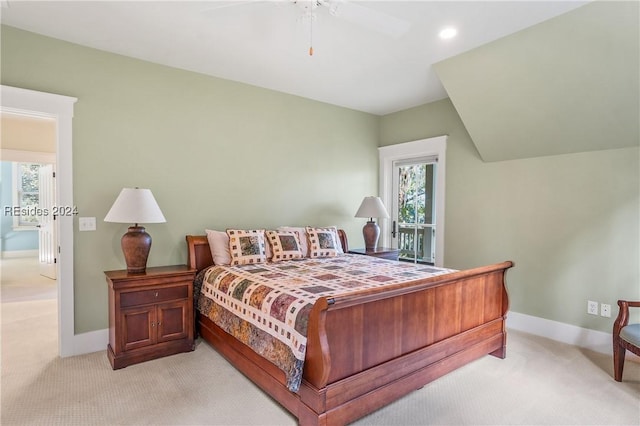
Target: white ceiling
<point>356,63</point>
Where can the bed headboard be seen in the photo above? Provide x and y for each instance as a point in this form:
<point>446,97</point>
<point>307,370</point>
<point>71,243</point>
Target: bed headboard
<point>199,253</point>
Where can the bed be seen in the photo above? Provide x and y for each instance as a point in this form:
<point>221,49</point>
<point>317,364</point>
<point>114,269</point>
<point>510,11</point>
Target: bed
<point>367,348</point>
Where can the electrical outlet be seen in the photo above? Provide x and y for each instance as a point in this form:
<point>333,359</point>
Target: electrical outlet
<point>592,307</point>
<point>605,310</point>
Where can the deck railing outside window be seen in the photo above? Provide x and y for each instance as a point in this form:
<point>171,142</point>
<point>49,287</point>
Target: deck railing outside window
<point>416,242</point>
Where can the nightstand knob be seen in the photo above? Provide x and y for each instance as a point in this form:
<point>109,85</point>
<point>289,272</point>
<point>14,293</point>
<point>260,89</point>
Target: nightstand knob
<point>153,324</point>
<point>156,294</point>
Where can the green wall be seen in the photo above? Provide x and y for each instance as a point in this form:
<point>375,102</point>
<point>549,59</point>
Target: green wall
<point>220,154</point>
<point>215,154</point>
<point>569,222</point>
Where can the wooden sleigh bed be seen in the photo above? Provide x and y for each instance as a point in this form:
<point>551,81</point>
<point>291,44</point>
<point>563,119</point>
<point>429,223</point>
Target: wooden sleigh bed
<point>432,327</point>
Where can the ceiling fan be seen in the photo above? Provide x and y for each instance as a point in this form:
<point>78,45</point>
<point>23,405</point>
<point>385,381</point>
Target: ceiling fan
<point>355,13</point>
<point>349,11</point>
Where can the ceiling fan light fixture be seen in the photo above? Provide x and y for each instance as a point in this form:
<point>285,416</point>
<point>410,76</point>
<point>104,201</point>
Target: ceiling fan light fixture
<point>307,5</point>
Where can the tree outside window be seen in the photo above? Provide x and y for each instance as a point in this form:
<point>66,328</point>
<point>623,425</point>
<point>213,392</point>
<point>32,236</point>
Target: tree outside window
<point>411,194</point>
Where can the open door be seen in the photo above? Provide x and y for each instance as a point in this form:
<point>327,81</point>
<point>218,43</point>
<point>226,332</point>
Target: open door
<point>47,226</point>
<point>413,228</point>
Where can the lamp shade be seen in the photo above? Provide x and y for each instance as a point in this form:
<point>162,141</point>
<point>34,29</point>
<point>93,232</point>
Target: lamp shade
<point>135,205</point>
<point>372,207</point>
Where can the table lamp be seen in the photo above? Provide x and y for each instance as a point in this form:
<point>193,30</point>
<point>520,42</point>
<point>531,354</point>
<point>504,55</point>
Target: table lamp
<point>135,205</point>
<point>371,207</point>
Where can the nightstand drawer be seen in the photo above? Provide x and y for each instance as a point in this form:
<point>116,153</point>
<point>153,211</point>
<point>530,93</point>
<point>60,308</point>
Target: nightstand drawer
<point>144,297</point>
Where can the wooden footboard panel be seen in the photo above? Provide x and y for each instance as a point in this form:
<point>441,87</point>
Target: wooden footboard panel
<point>369,349</point>
<point>353,333</point>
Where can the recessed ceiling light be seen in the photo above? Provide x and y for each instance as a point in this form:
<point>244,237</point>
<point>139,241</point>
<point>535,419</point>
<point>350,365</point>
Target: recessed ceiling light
<point>448,32</point>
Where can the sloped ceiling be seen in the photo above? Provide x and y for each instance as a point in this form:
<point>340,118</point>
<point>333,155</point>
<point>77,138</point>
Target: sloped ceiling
<point>570,84</point>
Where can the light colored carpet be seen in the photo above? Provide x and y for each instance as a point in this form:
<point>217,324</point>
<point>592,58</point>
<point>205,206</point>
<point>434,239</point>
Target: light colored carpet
<point>21,281</point>
<point>541,382</point>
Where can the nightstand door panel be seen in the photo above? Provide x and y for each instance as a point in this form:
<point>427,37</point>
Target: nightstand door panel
<point>138,327</point>
<point>172,320</point>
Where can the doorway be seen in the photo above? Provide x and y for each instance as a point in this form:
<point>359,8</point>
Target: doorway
<point>29,290</point>
<point>416,170</point>
<point>413,215</point>
<point>60,108</point>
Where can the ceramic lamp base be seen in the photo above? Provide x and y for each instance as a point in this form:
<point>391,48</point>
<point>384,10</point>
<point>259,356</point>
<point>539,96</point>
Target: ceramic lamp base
<point>371,232</point>
<point>136,244</point>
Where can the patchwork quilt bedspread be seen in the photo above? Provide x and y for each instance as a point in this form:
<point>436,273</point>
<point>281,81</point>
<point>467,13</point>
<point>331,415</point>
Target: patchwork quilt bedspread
<point>266,306</point>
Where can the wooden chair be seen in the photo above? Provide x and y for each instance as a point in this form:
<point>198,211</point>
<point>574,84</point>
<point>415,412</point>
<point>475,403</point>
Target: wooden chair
<point>625,336</point>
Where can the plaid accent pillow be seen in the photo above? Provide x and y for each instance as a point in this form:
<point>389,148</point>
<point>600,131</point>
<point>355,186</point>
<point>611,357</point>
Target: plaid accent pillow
<point>285,245</point>
<point>246,246</point>
<point>323,242</point>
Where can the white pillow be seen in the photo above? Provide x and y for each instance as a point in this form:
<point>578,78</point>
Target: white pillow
<point>219,245</point>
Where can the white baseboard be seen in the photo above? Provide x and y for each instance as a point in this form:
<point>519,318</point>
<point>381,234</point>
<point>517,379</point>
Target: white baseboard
<point>594,340</point>
<point>14,254</point>
<point>92,341</point>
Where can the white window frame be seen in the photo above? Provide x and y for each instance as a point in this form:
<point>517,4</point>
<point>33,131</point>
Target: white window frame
<point>18,224</point>
<point>431,147</point>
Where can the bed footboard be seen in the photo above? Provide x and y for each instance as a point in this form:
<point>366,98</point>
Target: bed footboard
<point>371,348</point>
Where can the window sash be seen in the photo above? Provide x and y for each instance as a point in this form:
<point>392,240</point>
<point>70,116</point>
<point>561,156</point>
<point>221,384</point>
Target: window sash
<point>24,199</point>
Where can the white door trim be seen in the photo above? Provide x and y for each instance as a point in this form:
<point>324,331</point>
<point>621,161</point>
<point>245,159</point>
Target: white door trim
<point>60,107</point>
<point>436,146</point>
<point>18,156</point>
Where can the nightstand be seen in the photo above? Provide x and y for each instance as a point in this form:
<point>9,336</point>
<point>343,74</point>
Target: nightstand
<point>381,252</point>
<point>150,314</point>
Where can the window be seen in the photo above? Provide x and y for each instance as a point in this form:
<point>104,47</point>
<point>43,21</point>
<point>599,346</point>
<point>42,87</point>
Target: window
<point>26,196</point>
<point>413,211</point>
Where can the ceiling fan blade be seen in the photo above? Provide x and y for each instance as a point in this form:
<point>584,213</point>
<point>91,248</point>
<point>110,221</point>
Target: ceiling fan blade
<point>368,18</point>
